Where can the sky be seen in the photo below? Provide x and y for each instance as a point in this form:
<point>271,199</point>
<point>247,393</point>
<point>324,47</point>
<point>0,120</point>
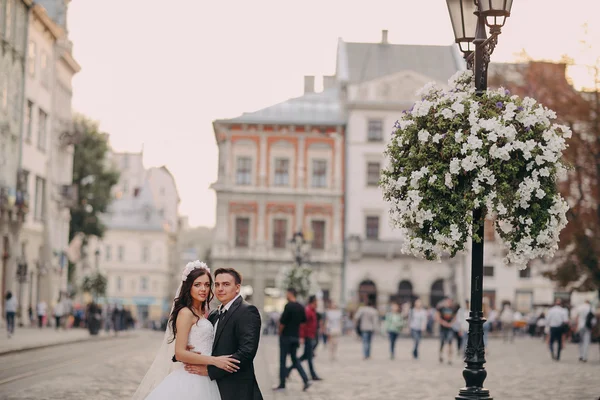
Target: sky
<point>156,73</point>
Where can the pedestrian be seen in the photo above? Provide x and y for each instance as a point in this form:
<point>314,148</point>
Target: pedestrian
<point>457,327</point>
<point>418,324</point>
<point>507,318</point>
<point>367,321</point>
<point>393,324</point>
<point>10,307</point>
<point>59,312</point>
<point>446,316</point>
<point>334,320</point>
<point>308,334</point>
<point>555,321</point>
<point>289,339</point>
<point>41,313</point>
<point>585,324</point>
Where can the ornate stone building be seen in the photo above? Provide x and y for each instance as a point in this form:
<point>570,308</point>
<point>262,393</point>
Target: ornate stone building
<point>281,171</point>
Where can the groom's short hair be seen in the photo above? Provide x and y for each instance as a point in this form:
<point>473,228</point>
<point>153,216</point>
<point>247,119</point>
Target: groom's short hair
<point>231,271</point>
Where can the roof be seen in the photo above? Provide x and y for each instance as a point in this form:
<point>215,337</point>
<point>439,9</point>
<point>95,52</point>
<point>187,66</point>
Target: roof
<point>359,62</point>
<point>322,108</point>
<point>134,213</point>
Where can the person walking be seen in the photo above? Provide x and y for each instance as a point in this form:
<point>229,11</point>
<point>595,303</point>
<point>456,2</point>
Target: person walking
<point>507,319</point>
<point>334,320</point>
<point>308,334</point>
<point>367,320</point>
<point>41,313</point>
<point>289,339</point>
<point>10,307</point>
<point>555,320</point>
<point>459,334</point>
<point>393,324</point>
<point>446,316</point>
<point>59,312</point>
<point>585,324</point>
<point>418,324</point>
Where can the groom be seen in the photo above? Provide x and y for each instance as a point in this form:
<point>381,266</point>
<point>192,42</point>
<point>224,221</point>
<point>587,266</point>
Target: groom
<point>237,332</point>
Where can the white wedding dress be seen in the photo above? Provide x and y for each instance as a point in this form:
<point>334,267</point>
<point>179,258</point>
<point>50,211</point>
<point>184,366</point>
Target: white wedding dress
<point>180,384</point>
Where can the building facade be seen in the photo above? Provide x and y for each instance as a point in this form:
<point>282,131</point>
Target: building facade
<point>14,16</point>
<point>281,171</point>
<point>46,161</point>
<point>380,81</point>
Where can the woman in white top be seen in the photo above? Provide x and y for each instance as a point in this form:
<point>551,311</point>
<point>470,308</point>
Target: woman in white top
<point>333,328</point>
<point>10,306</point>
<point>417,324</point>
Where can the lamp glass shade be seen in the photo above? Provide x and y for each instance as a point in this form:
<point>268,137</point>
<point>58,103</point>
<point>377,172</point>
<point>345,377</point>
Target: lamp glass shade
<point>463,18</point>
<point>495,11</point>
<point>466,46</point>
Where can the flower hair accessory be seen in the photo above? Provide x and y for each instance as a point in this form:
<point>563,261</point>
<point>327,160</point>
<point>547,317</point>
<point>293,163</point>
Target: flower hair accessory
<point>192,266</point>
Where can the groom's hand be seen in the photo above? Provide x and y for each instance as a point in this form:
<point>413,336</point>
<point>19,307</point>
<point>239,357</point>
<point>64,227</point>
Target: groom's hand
<point>196,369</point>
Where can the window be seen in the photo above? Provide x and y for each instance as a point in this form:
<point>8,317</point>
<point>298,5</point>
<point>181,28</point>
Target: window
<point>279,233</point>
<point>525,273</point>
<point>108,252</point>
<point>143,283</point>
<point>372,228</point>
<point>282,177</point>
<point>319,173</point>
<point>31,61</point>
<point>28,116</point>
<point>44,70</point>
<point>40,204</point>
<point>145,253</point>
<point>375,130</point>
<point>373,172</point>
<point>42,128</point>
<point>488,270</point>
<point>119,284</point>
<point>242,232</point>
<point>121,253</point>
<point>243,175</point>
<point>318,228</point>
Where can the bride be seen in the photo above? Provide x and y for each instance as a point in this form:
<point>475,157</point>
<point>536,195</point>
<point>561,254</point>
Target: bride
<point>189,329</point>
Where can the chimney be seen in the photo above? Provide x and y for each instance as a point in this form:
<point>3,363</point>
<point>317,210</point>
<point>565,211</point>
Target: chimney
<point>309,84</point>
<point>384,36</point>
<point>328,82</point>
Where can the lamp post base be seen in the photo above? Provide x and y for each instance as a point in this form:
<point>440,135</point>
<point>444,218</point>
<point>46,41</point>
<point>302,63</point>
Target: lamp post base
<point>473,394</point>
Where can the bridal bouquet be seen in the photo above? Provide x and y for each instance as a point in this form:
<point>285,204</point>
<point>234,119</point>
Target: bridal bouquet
<point>455,151</point>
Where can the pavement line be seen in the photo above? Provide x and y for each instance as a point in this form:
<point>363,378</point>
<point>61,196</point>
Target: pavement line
<point>38,371</point>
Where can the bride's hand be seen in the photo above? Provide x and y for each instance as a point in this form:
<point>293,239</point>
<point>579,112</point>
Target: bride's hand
<point>226,363</point>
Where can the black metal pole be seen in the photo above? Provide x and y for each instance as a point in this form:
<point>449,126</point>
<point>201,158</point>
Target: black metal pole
<point>474,372</point>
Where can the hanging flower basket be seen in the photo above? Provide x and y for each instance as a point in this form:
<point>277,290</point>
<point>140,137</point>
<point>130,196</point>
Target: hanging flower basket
<point>299,278</point>
<point>454,152</point>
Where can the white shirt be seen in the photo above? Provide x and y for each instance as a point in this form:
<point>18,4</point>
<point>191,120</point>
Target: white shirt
<point>11,305</point>
<point>225,307</point>
<point>582,312</point>
<point>556,317</point>
<point>333,322</point>
<point>418,319</point>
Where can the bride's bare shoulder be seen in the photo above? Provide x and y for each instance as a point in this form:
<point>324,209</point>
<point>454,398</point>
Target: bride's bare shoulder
<point>185,313</point>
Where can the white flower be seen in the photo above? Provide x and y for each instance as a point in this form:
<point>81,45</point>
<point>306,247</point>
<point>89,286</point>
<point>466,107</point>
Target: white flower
<point>423,136</point>
<point>192,266</point>
<point>455,166</point>
<point>436,138</point>
<point>448,180</point>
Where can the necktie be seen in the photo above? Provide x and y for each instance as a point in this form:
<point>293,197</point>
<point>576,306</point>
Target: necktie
<point>222,314</point>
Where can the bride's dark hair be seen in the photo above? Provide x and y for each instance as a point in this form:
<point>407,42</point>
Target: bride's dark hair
<point>185,298</point>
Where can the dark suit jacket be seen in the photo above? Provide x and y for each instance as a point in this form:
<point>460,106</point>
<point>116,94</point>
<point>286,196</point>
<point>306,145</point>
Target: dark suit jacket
<point>237,334</point>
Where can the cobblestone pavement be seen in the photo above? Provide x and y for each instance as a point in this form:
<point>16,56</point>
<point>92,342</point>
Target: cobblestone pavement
<point>111,369</point>
<point>518,371</point>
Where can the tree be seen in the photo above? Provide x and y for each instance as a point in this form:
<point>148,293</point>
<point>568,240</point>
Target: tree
<point>94,179</point>
<point>95,285</point>
<point>577,265</point>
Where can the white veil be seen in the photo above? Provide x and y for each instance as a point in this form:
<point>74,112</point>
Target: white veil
<point>162,364</point>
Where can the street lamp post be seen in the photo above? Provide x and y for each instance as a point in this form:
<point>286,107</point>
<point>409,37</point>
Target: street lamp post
<point>469,19</point>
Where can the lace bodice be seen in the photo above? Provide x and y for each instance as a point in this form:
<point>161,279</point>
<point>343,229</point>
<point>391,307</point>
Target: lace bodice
<point>201,337</point>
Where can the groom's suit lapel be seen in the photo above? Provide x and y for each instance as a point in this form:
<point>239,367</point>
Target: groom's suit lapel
<point>225,319</point>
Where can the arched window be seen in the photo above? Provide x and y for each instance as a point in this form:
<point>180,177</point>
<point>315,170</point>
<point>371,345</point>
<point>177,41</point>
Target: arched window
<point>405,292</point>
<point>367,289</point>
<point>437,293</point>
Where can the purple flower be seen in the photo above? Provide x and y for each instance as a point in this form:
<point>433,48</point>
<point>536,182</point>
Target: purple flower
<point>507,92</point>
<point>411,108</point>
<point>397,123</point>
<point>520,108</point>
<point>527,129</point>
<point>499,104</point>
